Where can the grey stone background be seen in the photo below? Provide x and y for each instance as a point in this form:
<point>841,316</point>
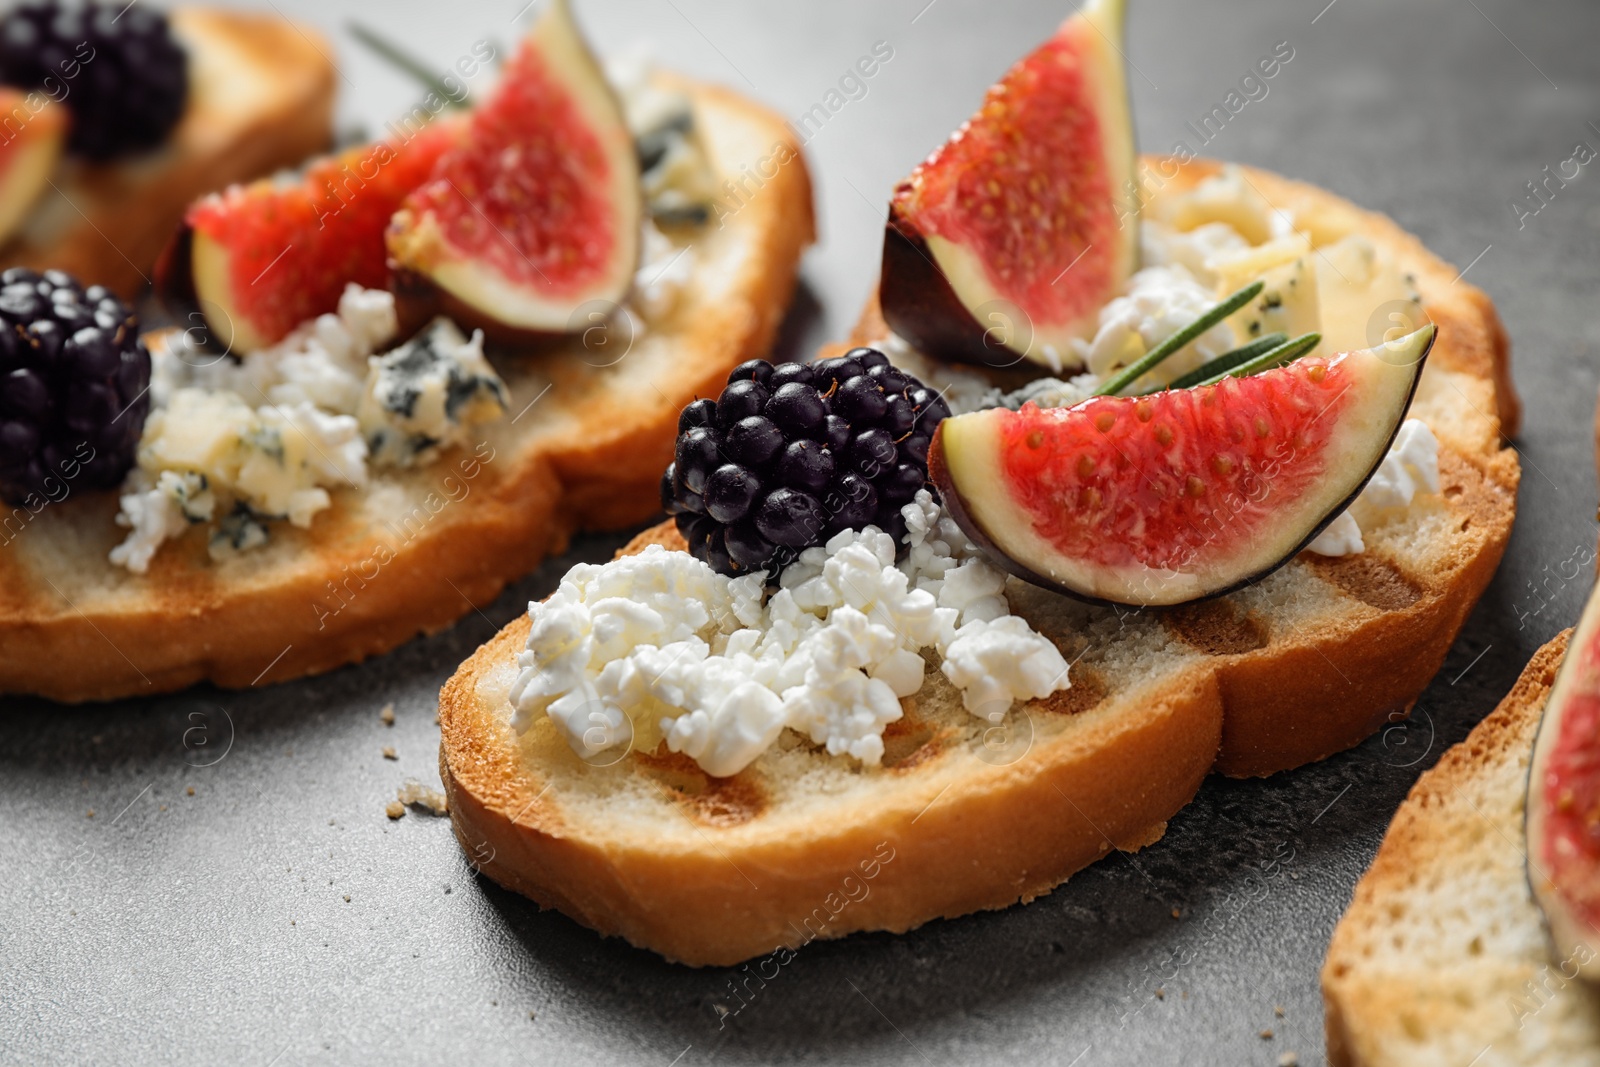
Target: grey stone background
<point>276,916</point>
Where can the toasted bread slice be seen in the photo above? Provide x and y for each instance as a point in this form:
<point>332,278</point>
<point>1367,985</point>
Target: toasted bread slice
<point>584,446</point>
<point>1443,956</point>
<point>1307,662</point>
<point>261,98</point>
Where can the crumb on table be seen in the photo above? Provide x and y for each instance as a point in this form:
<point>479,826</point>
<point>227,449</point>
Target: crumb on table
<point>395,809</point>
<point>387,714</point>
<point>389,753</point>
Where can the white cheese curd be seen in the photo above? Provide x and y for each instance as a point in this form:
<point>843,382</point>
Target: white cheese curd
<point>156,514</point>
<point>276,462</point>
<point>658,647</point>
<point>322,362</point>
<point>429,394</point>
<point>1160,301</point>
<point>1162,246</point>
<point>665,271</point>
<point>1411,466</point>
<point>1341,537</point>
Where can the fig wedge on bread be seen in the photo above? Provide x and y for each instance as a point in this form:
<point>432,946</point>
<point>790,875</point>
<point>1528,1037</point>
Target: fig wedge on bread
<point>1444,951</point>
<point>646,845</point>
<point>259,98</point>
<point>585,432</point>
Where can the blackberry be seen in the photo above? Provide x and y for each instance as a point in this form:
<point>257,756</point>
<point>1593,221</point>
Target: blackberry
<point>117,67</point>
<point>788,456</point>
<point>74,380</point>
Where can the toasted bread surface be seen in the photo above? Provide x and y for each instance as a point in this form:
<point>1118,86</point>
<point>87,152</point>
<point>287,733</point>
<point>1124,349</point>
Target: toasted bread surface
<point>260,99</point>
<point>1303,664</point>
<point>584,446</point>
<point>1443,956</point>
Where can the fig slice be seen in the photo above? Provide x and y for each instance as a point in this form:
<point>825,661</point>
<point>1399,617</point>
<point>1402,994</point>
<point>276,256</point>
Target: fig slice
<point>1179,495</point>
<point>32,145</point>
<point>257,260</point>
<point>1563,807</point>
<point>1007,241</point>
<point>536,212</point>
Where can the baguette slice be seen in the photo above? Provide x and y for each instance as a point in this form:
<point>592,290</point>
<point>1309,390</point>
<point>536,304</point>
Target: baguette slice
<point>584,446</point>
<point>261,98</point>
<point>1301,665</point>
<point>1443,956</point>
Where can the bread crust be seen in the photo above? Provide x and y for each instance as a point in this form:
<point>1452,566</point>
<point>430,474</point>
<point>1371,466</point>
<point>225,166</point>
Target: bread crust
<point>968,836</point>
<point>106,223</point>
<point>326,603</point>
<point>1457,839</point>
<point>976,842</point>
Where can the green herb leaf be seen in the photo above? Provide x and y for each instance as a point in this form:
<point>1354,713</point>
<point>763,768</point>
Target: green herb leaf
<point>1287,352</point>
<point>1229,360</point>
<point>1145,363</point>
<point>406,62</point>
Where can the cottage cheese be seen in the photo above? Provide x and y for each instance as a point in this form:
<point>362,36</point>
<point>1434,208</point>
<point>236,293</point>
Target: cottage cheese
<point>1411,466</point>
<point>658,647</point>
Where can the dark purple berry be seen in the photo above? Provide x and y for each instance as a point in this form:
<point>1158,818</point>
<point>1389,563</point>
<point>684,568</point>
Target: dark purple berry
<point>70,388</point>
<point>129,76</point>
<point>860,399</point>
<point>796,408</point>
<point>752,441</point>
<point>669,495</point>
<point>869,358</point>
<point>740,400</point>
<point>747,549</point>
<point>805,465</point>
<point>751,370</point>
<point>696,457</point>
<point>836,433</point>
<point>839,369</point>
<point>791,518</point>
<point>914,450</point>
<point>898,416</point>
<point>784,373</point>
<point>899,485</point>
<point>872,451</point>
<point>790,454</point>
<point>852,503</point>
<point>702,412</point>
<point>715,551</point>
<point>730,492</point>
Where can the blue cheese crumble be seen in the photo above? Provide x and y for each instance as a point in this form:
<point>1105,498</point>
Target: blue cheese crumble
<point>429,394</point>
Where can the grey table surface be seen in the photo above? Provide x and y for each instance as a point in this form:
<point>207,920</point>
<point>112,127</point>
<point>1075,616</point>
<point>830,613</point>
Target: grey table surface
<point>238,895</point>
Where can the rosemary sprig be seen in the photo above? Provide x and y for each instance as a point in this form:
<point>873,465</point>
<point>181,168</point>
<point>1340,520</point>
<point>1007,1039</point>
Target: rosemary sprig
<point>406,62</point>
<point>1143,365</point>
<point>1229,360</point>
<point>1287,352</point>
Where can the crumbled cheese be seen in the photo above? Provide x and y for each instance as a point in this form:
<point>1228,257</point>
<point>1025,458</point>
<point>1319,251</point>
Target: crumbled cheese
<point>658,647</point>
<point>678,182</point>
<point>1160,301</point>
<point>429,394</point>
<point>161,512</point>
<point>1161,245</point>
<point>273,462</point>
<point>1411,466</point>
<point>665,271</point>
<point>322,362</point>
<point>1341,537</point>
